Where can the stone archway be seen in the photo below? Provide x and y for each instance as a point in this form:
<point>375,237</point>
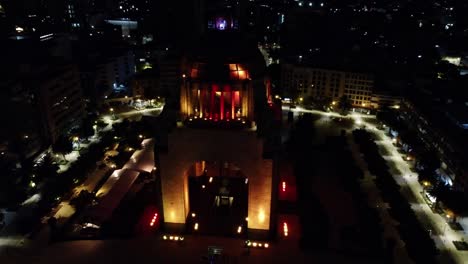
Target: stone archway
<point>243,148</point>
<point>218,199</point>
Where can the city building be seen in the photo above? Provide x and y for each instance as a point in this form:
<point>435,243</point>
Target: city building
<point>48,102</point>
<point>439,130</point>
<point>22,138</point>
<point>170,73</point>
<point>104,73</point>
<point>60,98</point>
<point>146,84</point>
<point>300,81</point>
<point>126,26</point>
<point>384,100</point>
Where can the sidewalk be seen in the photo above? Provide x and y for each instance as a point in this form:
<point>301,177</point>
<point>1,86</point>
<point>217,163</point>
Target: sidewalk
<point>375,200</point>
<point>408,181</point>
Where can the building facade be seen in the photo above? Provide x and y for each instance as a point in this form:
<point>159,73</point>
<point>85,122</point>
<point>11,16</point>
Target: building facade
<point>146,85</point>
<point>383,100</point>
<point>436,131</point>
<point>101,75</point>
<point>60,99</point>
<point>22,136</point>
<point>307,82</point>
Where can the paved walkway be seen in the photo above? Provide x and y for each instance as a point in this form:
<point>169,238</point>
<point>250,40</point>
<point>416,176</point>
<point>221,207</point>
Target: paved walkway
<point>412,190</point>
<point>375,200</point>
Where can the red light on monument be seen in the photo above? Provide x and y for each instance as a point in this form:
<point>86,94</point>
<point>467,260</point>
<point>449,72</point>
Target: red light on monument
<point>285,229</point>
<point>283,186</point>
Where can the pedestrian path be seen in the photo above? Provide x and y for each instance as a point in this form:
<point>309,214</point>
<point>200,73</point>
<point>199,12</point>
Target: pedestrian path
<point>375,200</point>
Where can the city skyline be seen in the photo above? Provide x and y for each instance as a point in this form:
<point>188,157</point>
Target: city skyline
<point>219,131</point>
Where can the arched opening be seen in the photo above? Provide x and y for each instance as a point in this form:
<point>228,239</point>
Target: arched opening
<point>218,198</point>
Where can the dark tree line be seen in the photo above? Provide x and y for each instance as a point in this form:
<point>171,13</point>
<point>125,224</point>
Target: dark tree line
<point>419,244</point>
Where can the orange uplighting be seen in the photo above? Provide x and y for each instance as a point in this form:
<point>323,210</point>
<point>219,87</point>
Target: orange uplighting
<point>237,72</point>
<point>283,185</point>
<point>285,229</point>
<point>233,67</point>
<point>194,73</point>
<point>242,75</point>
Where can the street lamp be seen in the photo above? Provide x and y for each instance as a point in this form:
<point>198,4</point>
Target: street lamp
<point>112,112</point>
<point>77,141</point>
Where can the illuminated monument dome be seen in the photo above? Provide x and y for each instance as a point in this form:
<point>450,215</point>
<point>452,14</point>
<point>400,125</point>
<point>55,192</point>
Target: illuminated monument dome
<point>220,80</point>
<point>217,92</point>
<point>222,76</point>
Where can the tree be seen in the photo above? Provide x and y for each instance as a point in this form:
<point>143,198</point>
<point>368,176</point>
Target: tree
<point>47,168</point>
<point>344,104</point>
<point>446,71</point>
<point>440,192</point>
<point>308,101</point>
<point>87,129</point>
<point>411,142</point>
<point>101,124</point>
<point>428,160</point>
<point>321,102</point>
<point>63,146</point>
<point>52,221</point>
<point>456,202</point>
<point>429,176</point>
<point>302,135</point>
<point>83,198</point>
<point>19,147</point>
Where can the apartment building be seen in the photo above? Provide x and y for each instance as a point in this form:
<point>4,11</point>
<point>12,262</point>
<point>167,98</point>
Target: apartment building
<point>301,81</point>
<point>146,84</point>
<point>60,99</point>
<point>19,112</point>
<point>101,74</point>
<point>115,70</point>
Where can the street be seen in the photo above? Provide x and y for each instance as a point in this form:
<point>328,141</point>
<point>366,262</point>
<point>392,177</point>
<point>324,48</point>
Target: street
<point>441,233</point>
